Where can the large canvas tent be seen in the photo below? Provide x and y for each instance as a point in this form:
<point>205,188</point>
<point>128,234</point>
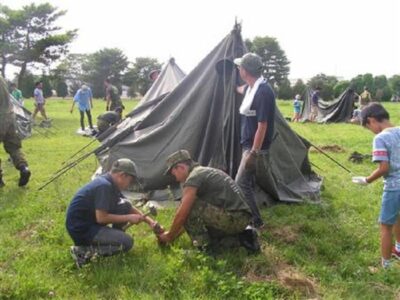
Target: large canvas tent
<point>335,111</point>
<point>201,115</point>
<point>23,119</point>
<point>170,76</point>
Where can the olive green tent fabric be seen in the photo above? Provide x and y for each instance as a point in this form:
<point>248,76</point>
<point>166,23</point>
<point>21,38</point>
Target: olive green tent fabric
<point>335,111</point>
<point>23,119</point>
<point>201,114</point>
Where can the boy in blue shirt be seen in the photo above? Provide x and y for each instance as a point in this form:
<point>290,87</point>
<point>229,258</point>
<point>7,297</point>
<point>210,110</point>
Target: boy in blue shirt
<point>84,98</point>
<point>386,152</point>
<point>296,109</point>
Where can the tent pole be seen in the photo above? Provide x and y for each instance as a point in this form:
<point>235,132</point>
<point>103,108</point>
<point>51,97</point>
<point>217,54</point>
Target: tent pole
<point>335,161</point>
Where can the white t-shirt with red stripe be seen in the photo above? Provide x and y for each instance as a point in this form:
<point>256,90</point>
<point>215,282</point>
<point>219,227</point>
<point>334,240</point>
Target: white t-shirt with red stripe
<point>386,147</point>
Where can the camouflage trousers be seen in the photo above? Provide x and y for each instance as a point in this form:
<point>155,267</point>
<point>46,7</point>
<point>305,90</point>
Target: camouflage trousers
<point>102,125</point>
<point>207,222</point>
<point>11,142</point>
<point>115,104</point>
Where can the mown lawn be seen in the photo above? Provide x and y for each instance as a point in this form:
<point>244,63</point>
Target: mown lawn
<point>327,251</point>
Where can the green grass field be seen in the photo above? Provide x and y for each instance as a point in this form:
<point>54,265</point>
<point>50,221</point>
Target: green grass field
<point>328,251</point>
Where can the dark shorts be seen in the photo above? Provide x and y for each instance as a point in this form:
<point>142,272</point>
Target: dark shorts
<point>39,106</point>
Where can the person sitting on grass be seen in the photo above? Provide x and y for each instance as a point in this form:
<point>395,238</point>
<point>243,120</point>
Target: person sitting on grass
<point>386,152</point>
<point>98,204</point>
<point>213,210</point>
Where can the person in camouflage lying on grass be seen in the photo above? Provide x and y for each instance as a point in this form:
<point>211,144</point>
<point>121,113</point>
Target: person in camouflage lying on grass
<point>9,138</point>
<point>213,210</point>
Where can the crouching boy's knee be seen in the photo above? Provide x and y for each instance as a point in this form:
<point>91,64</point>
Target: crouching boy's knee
<point>127,243</point>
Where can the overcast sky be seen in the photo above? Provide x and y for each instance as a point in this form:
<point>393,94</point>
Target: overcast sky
<point>343,38</point>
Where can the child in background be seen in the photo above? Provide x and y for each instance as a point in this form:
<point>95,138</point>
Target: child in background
<point>297,108</point>
<point>386,152</point>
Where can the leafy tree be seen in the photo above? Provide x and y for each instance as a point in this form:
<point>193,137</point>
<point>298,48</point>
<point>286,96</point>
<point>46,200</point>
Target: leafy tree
<point>106,63</point>
<point>27,85</point>
<point>7,32</point>
<point>298,88</point>
<point>276,64</point>
<point>70,70</point>
<point>47,87</point>
<point>394,83</point>
<point>340,87</point>
<point>62,89</point>
<point>285,91</point>
<point>36,39</point>
<point>326,83</point>
<point>137,76</point>
<point>382,89</point>
<point>361,81</point>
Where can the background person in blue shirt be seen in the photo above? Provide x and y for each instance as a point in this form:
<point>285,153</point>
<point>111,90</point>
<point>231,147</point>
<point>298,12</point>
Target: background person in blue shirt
<point>314,104</point>
<point>98,204</point>
<point>257,126</point>
<point>296,108</point>
<point>84,98</point>
<point>386,152</point>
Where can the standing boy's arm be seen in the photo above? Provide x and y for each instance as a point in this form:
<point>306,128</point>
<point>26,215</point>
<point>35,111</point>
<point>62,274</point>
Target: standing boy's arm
<point>382,169</point>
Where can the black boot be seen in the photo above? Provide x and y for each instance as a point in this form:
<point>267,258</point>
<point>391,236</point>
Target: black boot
<point>24,175</point>
<point>249,239</point>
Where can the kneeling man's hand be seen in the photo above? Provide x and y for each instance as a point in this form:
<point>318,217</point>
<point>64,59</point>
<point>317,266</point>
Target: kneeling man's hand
<point>164,237</point>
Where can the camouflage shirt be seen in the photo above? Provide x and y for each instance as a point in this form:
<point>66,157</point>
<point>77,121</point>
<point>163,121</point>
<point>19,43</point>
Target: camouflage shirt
<point>113,93</point>
<point>5,104</point>
<point>216,188</point>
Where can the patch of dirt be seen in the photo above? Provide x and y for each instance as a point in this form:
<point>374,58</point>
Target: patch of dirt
<point>27,233</point>
<point>289,278</point>
<point>329,148</point>
<point>294,280</point>
<point>287,234</point>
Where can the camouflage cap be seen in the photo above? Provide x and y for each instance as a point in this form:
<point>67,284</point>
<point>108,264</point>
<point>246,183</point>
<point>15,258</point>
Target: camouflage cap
<point>176,157</point>
<point>124,165</point>
<point>251,62</point>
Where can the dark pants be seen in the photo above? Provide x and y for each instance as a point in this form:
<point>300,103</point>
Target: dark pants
<point>247,181</point>
<point>89,116</point>
<point>110,241</point>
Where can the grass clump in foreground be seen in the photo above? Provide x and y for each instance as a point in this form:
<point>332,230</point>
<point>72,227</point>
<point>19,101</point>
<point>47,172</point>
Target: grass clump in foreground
<point>328,251</point>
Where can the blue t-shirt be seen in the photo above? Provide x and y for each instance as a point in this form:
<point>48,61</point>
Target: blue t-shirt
<point>264,106</point>
<point>386,147</point>
<point>296,105</point>
<point>99,194</point>
<point>83,98</point>
<point>315,97</point>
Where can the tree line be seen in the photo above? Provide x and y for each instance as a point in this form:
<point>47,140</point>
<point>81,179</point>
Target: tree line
<point>31,40</point>
<point>381,87</point>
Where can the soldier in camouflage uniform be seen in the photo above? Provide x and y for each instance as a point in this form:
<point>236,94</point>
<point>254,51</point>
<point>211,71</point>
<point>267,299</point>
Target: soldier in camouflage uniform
<point>9,138</point>
<point>108,119</point>
<point>112,96</point>
<point>213,210</point>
